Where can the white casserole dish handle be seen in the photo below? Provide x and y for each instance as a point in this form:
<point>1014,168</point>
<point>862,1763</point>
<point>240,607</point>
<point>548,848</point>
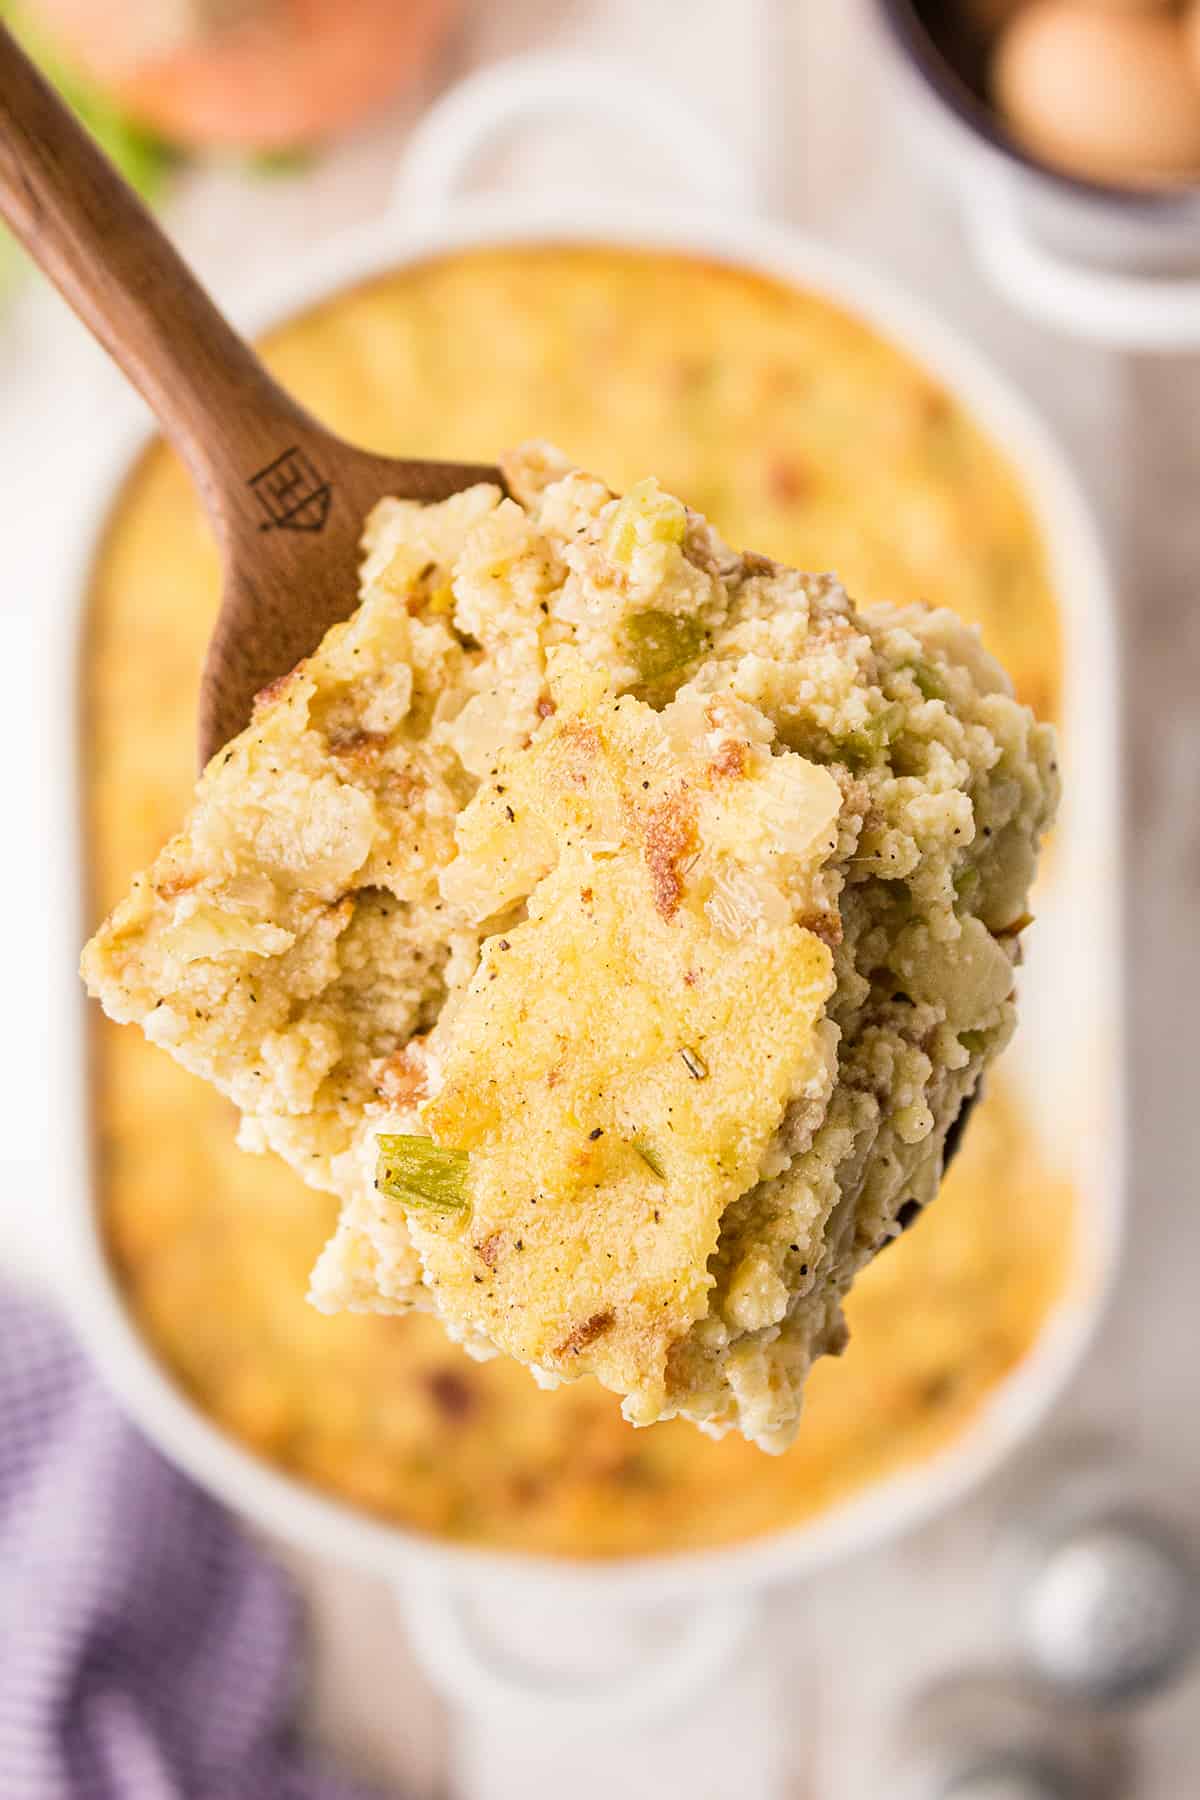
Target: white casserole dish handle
<point>531,90</point>
<point>1116,310</point>
<point>529,1663</point>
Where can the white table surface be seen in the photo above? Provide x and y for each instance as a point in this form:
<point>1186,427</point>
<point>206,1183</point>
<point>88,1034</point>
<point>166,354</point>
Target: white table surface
<point>798,86</point>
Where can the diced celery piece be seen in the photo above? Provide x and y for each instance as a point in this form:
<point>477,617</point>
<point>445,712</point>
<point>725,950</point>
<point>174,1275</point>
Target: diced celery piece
<point>929,683</point>
<point>417,1172</point>
<point>650,1157</point>
<point>660,643</point>
<point>864,746</point>
<point>645,516</point>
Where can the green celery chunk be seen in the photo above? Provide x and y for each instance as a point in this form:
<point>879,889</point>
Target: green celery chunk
<point>859,749</point>
<point>645,516</point>
<point>659,643</point>
<point>929,683</point>
<point>417,1172</point>
<point>650,1157</point>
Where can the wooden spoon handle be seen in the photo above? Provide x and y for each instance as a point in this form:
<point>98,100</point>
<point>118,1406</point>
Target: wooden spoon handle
<point>100,247</point>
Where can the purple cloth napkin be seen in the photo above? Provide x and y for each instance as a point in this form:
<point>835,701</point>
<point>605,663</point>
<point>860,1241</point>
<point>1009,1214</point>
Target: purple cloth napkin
<point>147,1650</point>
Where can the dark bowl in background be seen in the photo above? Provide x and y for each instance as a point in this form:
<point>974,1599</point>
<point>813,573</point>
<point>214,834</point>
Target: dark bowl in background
<point>950,53</point>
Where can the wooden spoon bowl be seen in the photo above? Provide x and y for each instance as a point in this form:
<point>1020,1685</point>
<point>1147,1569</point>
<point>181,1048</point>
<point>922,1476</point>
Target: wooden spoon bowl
<point>285,497</point>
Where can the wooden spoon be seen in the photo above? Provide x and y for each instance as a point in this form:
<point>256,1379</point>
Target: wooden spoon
<point>285,498</point>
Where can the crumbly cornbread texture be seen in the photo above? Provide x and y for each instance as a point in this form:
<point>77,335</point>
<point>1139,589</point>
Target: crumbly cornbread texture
<point>669,900</point>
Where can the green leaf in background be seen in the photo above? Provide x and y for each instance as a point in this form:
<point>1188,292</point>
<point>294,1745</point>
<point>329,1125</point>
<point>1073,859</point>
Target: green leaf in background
<point>280,163</point>
<point>143,159</point>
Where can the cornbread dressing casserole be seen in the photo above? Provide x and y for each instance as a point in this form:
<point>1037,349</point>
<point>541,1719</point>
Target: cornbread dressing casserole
<point>615,922</point>
<point>792,409</point>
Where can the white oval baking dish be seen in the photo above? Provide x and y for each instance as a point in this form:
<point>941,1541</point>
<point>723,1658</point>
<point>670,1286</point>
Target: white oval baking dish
<point>1067,1056</point>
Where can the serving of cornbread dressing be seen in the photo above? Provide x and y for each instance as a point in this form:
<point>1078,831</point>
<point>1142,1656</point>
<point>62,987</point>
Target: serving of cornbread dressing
<point>770,343</point>
<point>615,921</point>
